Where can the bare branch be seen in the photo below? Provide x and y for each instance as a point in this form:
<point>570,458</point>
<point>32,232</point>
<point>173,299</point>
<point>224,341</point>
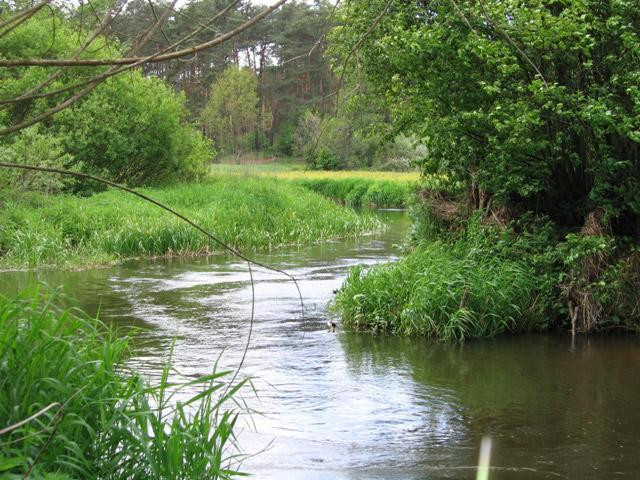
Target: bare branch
<point>106,21</point>
<point>110,73</point>
<point>45,62</point>
<point>25,13</point>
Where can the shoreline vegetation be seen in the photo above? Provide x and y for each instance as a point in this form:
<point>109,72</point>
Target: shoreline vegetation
<point>354,188</point>
<point>248,213</point>
<point>70,407</point>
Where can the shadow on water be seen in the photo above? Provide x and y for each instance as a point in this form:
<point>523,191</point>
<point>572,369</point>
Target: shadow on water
<point>348,406</point>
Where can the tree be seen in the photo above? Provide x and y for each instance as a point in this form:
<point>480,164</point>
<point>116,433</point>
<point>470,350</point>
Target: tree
<point>531,105</point>
<point>231,115</point>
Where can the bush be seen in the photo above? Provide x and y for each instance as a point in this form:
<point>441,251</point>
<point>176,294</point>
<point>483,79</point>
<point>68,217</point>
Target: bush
<point>32,147</point>
<point>131,130</point>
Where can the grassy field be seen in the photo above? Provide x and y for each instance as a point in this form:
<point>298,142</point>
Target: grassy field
<point>351,187</point>
<point>88,416</point>
<point>248,213</point>
<point>291,170</point>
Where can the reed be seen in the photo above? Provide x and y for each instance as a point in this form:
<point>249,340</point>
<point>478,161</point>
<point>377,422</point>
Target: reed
<point>103,420</point>
<point>446,291</point>
<point>248,213</point>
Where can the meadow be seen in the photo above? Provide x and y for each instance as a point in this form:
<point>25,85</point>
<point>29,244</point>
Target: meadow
<point>355,188</point>
<point>248,213</point>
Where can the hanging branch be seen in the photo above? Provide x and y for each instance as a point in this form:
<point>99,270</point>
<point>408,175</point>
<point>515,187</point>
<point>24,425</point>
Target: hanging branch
<point>52,62</point>
<point>358,44</point>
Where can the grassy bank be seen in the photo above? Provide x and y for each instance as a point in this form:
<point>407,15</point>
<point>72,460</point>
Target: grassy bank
<point>479,277</point>
<point>102,420</point>
<point>443,290</point>
<point>357,192</point>
<point>247,213</point>
<point>351,187</point>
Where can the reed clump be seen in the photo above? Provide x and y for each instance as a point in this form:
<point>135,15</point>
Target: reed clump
<point>103,421</point>
<point>444,290</point>
<point>247,213</point>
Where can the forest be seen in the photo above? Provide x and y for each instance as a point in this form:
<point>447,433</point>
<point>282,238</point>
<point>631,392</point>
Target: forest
<point>193,192</point>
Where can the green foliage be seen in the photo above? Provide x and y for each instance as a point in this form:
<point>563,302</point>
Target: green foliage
<point>106,421</point>
<point>350,140</point>
<point>247,213</point>
<point>445,291</point>
<point>232,115</point>
<point>535,104</point>
<point>34,148</point>
<point>357,192</point>
<point>130,129</point>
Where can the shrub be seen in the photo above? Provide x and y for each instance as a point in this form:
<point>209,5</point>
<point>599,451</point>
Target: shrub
<point>132,130</point>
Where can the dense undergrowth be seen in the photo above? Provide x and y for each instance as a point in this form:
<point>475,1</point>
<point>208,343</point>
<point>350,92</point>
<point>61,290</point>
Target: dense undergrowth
<point>475,278</point>
<point>103,421</point>
<point>247,213</point>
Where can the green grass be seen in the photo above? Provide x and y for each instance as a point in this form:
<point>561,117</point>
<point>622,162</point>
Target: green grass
<point>354,188</point>
<point>447,291</point>
<point>105,422</point>
<point>357,192</point>
<point>246,212</point>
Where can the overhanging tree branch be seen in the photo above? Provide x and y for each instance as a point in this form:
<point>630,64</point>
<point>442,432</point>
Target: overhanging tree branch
<point>52,62</point>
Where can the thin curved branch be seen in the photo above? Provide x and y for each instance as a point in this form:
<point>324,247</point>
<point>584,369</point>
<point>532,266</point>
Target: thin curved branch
<point>358,44</point>
<point>20,15</point>
<point>110,73</point>
<point>30,94</point>
<point>149,199</point>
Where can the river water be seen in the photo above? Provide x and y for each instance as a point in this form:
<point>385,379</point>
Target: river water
<point>356,406</point>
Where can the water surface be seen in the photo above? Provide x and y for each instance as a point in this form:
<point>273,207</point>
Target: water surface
<point>355,406</point>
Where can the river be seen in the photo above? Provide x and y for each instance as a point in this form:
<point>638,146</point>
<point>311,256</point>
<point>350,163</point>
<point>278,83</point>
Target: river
<point>357,406</point>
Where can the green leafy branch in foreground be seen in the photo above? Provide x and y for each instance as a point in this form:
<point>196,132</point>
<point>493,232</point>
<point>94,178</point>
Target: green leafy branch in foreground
<point>105,422</point>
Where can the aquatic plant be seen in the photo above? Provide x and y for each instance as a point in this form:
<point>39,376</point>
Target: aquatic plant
<point>448,291</point>
<point>70,408</point>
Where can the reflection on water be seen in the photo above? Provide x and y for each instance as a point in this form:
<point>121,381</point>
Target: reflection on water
<point>347,406</point>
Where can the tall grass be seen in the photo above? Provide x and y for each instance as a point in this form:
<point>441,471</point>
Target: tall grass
<point>247,213</point>
<point>358,192</point>
<point>354,188</point>
<point>105,421</point>
<point>448,291</point>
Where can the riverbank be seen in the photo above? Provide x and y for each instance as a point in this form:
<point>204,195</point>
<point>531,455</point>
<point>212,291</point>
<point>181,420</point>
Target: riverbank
<point>248,213</point>
<point>473,275</point>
